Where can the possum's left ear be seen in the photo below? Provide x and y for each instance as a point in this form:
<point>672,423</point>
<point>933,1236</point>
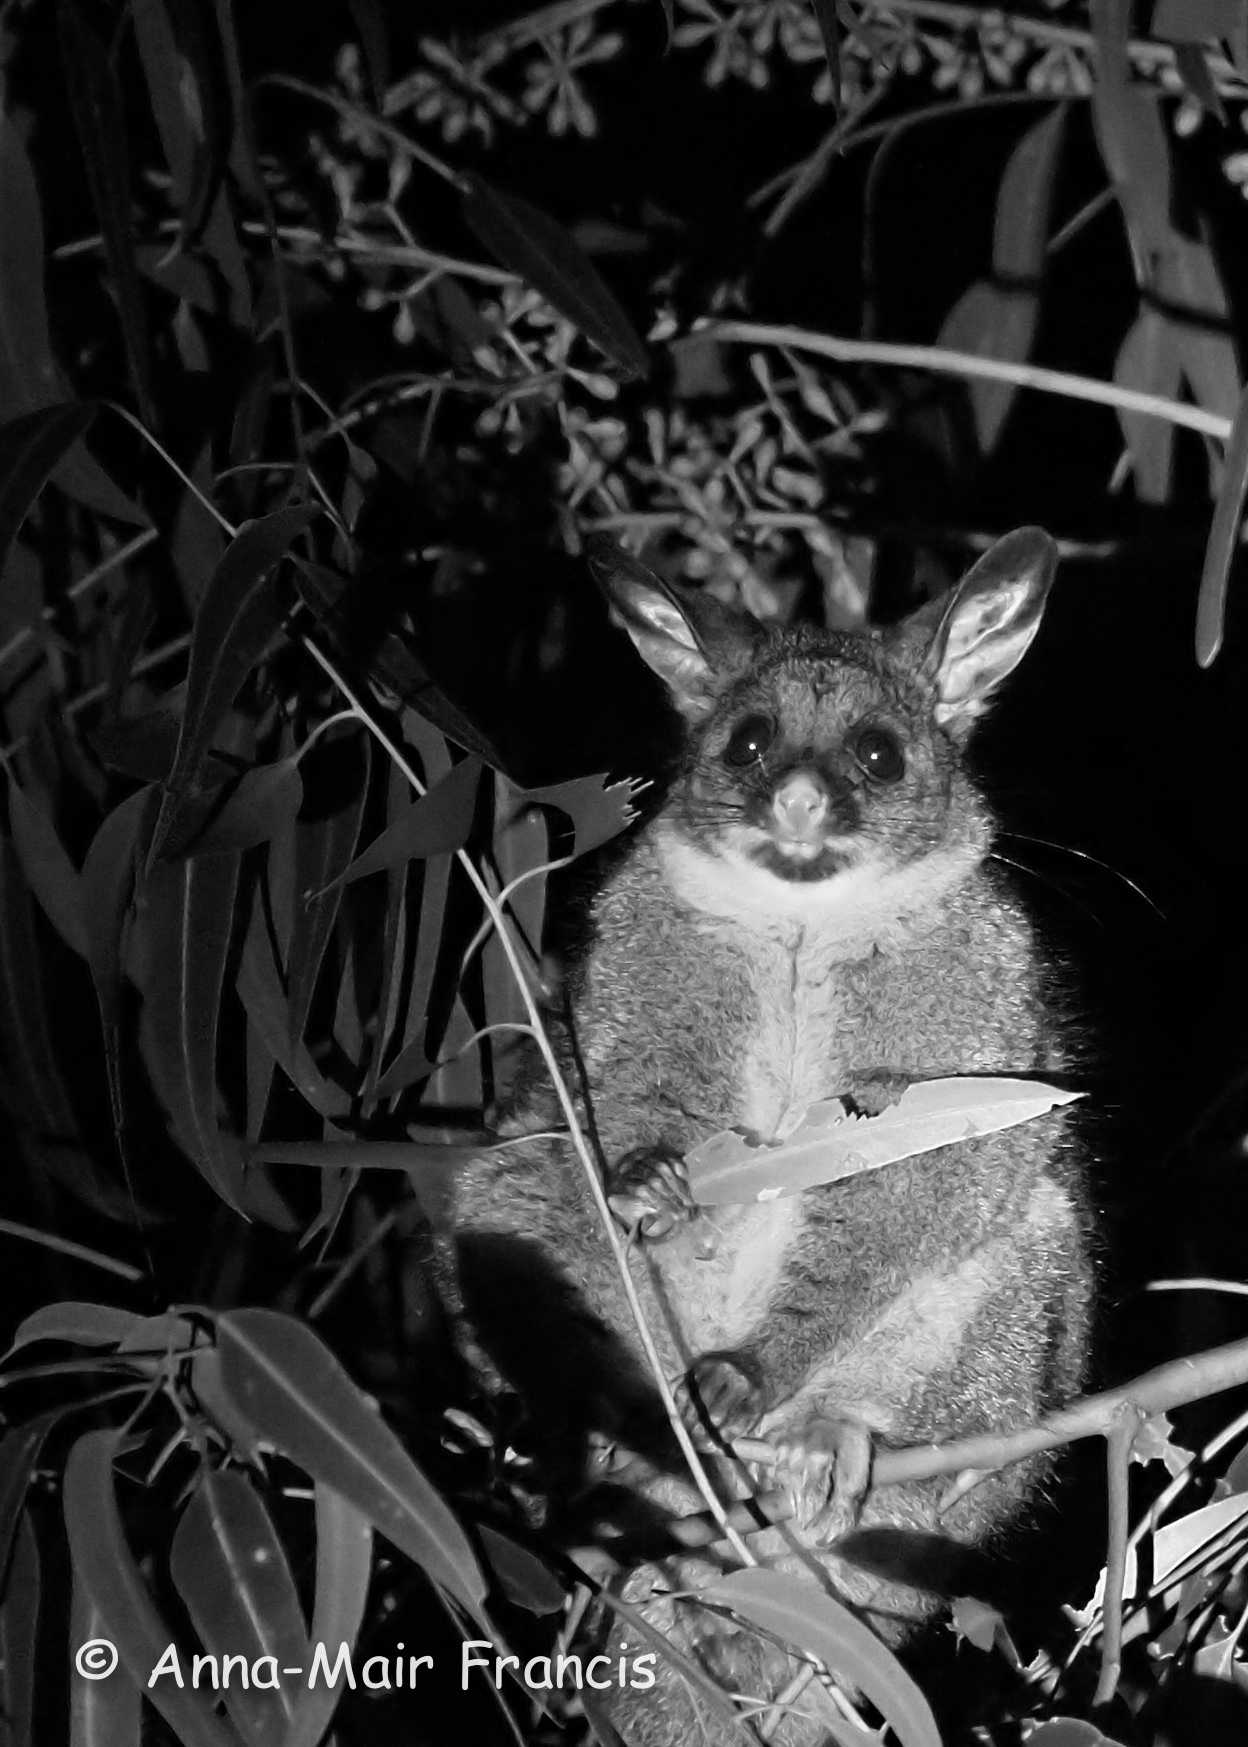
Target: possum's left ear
<point>977,634</point>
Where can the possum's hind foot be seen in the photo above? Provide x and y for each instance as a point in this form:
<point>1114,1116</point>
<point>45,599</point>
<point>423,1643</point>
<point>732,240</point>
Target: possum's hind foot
<point>824,1466</point>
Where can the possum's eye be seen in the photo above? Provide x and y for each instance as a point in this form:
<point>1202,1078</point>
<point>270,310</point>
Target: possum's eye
<point>879,754</point>
<point>749,740</point>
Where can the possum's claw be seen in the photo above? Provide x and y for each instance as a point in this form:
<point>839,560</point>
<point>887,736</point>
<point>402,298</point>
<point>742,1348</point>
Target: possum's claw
<point>650,1194</point>
<point>825,1472</point>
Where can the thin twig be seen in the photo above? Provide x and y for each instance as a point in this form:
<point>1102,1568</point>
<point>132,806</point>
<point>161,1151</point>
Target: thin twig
<point>1118,1457</point>
<point>64,1247</point>
<point>937,358</point>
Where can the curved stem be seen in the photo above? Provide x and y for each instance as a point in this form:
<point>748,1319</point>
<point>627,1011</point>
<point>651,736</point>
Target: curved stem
<point>966,364</point>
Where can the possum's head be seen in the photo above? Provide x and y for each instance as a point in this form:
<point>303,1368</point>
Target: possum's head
<point>813,755</point>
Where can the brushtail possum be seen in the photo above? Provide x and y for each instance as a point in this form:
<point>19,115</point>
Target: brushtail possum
<point>811,914</point>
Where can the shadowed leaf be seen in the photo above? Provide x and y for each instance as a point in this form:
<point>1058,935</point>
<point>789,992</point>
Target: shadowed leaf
<point>105,1567</point>
<point>344,1552</point>
<point>261,992</point>
<point>522,1577</point>
<point>107,887</point>
<point>183,931</point>
<point>235,621</point>
<point>530,243</point>
<point>19,1626</point>
<point>305,875</point>
<point>100,123</point>
<point>1223,541</point>
<point>288,1385</point>
<point>29,378</point>
<point>30,448</point>
<point>19,1453</point>
<point>231,1571</point>
<point>49,872</point>
<point>102,1713</point>
<point>264,802</point>
<point>798,1612</point>
<point>438,822</point>
<point>38,1086</point>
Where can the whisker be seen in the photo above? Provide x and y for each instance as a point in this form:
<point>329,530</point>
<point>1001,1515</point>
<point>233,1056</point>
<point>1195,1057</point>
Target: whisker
<point>1047,880</point>
<point>1083,855</point>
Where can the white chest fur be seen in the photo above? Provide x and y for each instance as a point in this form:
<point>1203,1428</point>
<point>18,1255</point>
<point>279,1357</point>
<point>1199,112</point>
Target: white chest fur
<point>797,939</point>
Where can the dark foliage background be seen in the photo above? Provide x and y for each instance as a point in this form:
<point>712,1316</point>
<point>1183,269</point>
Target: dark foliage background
<point>419,299</point>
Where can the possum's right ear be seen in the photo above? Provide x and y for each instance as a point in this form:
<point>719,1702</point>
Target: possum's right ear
<point>686,636</point>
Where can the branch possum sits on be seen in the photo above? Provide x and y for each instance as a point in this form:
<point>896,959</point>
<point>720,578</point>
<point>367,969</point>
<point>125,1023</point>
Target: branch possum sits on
<point>810,914</point>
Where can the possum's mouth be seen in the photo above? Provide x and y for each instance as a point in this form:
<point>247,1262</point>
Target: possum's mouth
<point>802,861</point>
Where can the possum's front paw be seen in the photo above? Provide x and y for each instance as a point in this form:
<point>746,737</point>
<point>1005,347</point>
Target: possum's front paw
<point>875,1093</point>
<point>727,1391</point>
<point>825,1470</point>
<point>650,1195</point>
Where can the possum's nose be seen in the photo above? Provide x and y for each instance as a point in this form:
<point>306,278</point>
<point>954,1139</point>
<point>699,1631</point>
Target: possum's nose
<point>800,807</point>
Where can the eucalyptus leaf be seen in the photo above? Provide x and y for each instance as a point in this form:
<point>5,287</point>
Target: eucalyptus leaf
<point>796,1610</point>
<point>286,1383</point>
<point>831,1143</point>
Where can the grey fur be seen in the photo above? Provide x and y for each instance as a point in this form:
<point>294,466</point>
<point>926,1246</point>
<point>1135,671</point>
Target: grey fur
<point>939,1296</point>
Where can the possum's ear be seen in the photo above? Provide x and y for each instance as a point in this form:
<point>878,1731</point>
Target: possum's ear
<point>978,633</point>
<point>690,639</point>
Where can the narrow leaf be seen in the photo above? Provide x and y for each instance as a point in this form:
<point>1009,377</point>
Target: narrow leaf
<point>307,894</point>
<point>102,1713</point>
<point>1188,279</point>
<point>105,1566</point>
<point>1149,362</point>
<point>265,801</point>
<point>43,1101</point>
<point>1196,20</point>
<point>19,1628</point>
<point>530,243</point>
<point>236,619</point>
<point>29,378</point>
<point>999,320</point>
<point>184,932</point>
<point>231,1571</point>
<point>291,1388</point>
<point>261,993</point>
<point>107,890</point>
<point>19,1454</point>
<point>1132,138</point>
<point>522,1577</point>
<point>1193,68</point>
<point>344,1553</point>
<point>830,32</point>
<point>800,1613</point>
<point>30,448</point>
<point>100,123</point>
<point>49,872</point>
<point>433,825</point>
<point>1223,541</point>
<point>830,1144</point>
<point>84,1325</point>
